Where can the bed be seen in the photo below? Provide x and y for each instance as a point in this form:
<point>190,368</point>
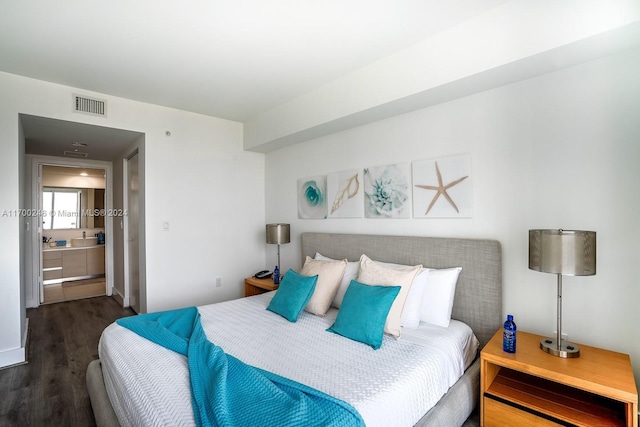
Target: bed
<point>477,303</point>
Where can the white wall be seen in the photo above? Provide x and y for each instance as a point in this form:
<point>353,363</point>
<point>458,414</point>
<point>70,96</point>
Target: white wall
<point>24,246</point>
<point>556,151</point>
<point>513,41</point>
<point>11,303</point>
<point>220,234</point>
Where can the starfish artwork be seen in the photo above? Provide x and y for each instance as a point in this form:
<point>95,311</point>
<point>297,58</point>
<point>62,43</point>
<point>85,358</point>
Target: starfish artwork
<point>441,190</point>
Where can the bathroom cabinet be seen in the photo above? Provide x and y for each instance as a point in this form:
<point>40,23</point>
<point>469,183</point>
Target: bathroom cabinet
<point>95,260</point>
<point>51,265</point>
<point>72,263</point>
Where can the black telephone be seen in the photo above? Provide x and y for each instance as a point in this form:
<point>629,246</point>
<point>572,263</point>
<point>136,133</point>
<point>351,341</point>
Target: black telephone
<point>264,274</point>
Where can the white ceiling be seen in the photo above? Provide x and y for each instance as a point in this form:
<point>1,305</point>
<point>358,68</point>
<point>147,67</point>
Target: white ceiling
<point>52,137</point>
<point>231,59</point>
<point>253,60</point>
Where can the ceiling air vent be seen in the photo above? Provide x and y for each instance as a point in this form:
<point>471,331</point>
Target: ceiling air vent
<point>86,105</point>
<point>76,154</point>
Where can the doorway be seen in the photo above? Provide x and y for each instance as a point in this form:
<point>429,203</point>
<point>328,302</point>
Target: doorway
<point>64,143</point>
<point>72,253</point>
<point>72,200</point>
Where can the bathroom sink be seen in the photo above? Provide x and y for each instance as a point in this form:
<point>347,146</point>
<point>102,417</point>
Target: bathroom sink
<point>81,243</point>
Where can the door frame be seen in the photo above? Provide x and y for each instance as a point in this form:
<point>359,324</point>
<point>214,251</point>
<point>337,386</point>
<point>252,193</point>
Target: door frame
<point>139,149</point>
<point>35,258</point>
<point>125,237</point>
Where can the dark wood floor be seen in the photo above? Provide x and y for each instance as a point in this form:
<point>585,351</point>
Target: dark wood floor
<point>50,390</point>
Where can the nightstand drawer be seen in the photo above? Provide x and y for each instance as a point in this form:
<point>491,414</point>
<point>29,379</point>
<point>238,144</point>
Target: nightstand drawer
<point>502,415</point>
<point>253,286</point>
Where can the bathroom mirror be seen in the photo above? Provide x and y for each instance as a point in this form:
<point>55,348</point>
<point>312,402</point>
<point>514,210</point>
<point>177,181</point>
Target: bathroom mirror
<point>72,208</point>
<point>72,198</point>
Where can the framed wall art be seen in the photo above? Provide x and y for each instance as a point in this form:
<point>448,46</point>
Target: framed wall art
<point>312,197</point>
<point>346,194</point>
<point>387,191</point>
<point>442,188</point>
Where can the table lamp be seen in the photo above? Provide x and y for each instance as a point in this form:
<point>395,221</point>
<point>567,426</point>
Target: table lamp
<point>278,234</point>
<point>562,252</point>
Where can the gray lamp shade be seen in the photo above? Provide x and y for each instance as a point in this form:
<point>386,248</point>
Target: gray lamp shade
<point>567,252</point>
<point>278,234</point>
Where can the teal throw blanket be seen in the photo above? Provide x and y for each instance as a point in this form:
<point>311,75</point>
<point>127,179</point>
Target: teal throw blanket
<point>227,392</point>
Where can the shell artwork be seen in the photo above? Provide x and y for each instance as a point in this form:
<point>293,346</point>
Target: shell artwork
<point>386,191</point>
<point>349,189</point>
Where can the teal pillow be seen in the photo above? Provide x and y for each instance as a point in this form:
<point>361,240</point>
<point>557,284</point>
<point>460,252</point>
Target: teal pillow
<point>292,295</point>
<point>364,311</point>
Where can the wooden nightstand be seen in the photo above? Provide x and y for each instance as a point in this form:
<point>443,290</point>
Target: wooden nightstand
<point>531,387</point>
<point>253,286</point>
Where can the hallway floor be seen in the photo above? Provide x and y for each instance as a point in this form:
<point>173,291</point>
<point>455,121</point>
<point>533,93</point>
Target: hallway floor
<point>51,388</point>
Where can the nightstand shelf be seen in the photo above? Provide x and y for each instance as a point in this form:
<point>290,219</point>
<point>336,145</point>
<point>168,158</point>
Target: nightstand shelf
<point>253,286</point>
<point>532,387</point>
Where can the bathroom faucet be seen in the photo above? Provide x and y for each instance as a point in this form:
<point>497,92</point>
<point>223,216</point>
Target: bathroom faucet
<point>84,234</point>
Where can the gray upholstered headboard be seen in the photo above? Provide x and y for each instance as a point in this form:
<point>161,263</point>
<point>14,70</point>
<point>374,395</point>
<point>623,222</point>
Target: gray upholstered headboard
<point>478,299</point>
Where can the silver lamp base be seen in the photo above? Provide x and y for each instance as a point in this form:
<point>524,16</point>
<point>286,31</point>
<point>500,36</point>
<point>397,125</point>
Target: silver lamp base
<point>567,350</point>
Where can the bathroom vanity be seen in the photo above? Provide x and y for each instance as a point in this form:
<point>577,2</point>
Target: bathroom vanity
<point>61,264</point>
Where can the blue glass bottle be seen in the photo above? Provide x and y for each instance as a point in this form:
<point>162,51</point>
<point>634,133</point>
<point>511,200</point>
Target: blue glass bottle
<point>509,335</point>
<point>276,276</point>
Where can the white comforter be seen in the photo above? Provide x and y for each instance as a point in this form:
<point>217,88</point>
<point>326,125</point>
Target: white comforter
<point>395,385</point>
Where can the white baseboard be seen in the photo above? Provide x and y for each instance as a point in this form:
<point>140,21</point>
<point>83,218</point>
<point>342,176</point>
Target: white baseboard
<point>118,297</point>
<point>16,356</point>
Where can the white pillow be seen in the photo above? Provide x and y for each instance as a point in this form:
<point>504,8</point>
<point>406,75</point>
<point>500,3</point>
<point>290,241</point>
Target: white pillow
<point>437,301</point>
<point>373,273</point>
<point>412,306</point>
<point>350,273</point>
<point>329,276</point>
<point>411,312</point>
